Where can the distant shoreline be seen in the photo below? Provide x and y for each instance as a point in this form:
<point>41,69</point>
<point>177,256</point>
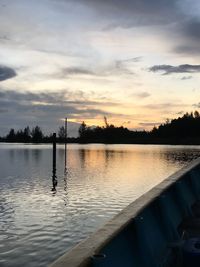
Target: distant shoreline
<point>184,130</point>
<point>159,141</point>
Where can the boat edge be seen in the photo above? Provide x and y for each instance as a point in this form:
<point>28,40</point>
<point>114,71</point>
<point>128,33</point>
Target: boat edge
<point>79,255</point>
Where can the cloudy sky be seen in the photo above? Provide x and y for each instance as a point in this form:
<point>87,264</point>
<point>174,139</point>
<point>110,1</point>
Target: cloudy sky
<point>135,61</point>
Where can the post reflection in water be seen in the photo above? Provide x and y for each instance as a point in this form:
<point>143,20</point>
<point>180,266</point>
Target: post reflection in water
<point>65,163</point>
<point>65,196</point>
<point>54,183</point>
<point>54,177</point>
<point>61,154</point>
<point>65,172</point>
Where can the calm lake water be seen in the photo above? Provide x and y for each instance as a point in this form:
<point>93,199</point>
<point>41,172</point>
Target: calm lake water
<point>38,225</point>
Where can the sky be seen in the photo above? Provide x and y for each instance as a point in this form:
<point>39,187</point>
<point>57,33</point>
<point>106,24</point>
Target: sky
<point>137,62</point>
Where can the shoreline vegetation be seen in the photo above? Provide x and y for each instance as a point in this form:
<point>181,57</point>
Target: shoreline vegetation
<point>183,130</point>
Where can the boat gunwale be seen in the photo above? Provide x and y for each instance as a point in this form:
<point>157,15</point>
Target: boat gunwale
<point>80,255</point>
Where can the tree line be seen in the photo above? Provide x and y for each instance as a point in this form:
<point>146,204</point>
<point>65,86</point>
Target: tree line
<point>182,130</point>
<point>34,135</point>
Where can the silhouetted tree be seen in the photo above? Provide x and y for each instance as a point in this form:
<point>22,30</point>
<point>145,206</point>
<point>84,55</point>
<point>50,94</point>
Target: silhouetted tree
<point>11,135</point>
<point>61,132</point>
<point>19,136</point>
<point>37,134</point>
<point>82,129</point>
<point>27,134</point>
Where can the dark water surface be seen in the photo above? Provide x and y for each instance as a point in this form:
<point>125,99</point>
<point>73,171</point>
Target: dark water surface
<point>38,225</point>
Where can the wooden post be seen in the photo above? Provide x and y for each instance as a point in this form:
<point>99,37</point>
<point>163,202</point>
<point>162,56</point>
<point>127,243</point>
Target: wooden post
<point>65,145</point>
<point>54,154</point>
<point>54,180</point>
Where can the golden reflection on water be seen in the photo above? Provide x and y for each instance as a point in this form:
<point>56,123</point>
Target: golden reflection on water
<point>139,166</point>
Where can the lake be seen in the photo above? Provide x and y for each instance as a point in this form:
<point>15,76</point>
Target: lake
<point>37,225</point>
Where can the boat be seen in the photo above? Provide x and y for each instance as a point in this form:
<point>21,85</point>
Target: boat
<point>160,229</point>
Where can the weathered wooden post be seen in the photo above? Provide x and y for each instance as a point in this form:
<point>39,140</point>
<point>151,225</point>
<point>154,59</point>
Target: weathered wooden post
<point>54,178</point>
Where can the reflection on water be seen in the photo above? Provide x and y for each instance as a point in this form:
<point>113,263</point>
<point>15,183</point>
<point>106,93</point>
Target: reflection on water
<point>38,224</point>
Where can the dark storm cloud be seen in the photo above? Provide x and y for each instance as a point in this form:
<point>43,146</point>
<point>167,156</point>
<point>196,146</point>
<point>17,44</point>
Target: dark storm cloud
<point>6,73</point>
<point>142,12</point>
<point>168,69</point>
<point>192,29</point>
<point>46,109</point>
<point>129,13</point>
<point>189,33</point>
<point>52,99</point>
<point>184,27</point>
